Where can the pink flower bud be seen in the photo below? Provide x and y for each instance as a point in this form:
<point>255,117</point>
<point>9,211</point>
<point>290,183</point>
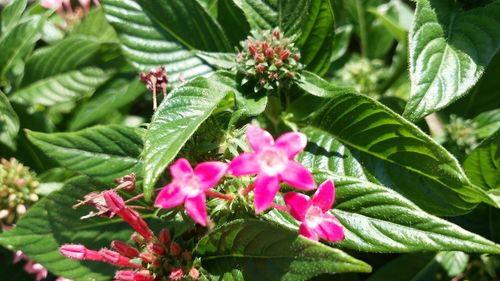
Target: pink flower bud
<point>259,58</point>
<point>147,257</point>
<point>269,53</point>
<point>115,258</point>
<point>137,238</point>
<point>124,249</point>
<point>284,54</point>
<point>125,275</point>
<point>260,68</point>
<point>273,76</point>
<point>296,56</point>
<point>194,273</point>
<point>265,47</point>
<point>156,248</point>
<point>79,252</point>
<point>277,34</point>
<point>136,222</point>
<point>187,256</point>
<point>175,249</point>
<point>164,236</point>
<point>252,48</point>
<point>176,274</point>
<point>114,201</point>
<point>278,63</point>
<point>262,80</point>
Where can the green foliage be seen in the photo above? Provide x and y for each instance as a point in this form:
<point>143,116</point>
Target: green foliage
<point>483,163</point>
<point>9,123</point>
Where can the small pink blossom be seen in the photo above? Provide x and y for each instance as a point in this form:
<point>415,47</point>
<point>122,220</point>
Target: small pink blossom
<point>37,269</point>
<point>194,273</point>
<point>188,187</point>
<point>51,4</point>
<point>313,213</point>
<point>272,162</point>
<point>79,252</point>
<point>176,274</point>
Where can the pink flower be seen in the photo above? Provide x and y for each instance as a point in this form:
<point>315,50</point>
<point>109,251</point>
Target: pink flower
<point>37,269</point>
<point>189,187</point>
<point>313,213</point>
<point>176,274</point>
<point>272,162</point>
<point>51,4</point>
<point>79,252</point>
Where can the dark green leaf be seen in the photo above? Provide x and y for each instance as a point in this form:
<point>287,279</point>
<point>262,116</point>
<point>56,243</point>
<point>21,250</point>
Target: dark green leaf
<point>233,21</point>
<point>102,152</point>
<point>147,45</point>
<point>189,23</point>
<point>483,163</point>
<point>366,125</point>
<point>11,14</point>
<point>52,222</point>
<point>411,267</point>
<point>65,72</point>
<point>19,42</point>
<point>341,42</point>
<point>317,86</point>
<point>119,92</point>
<point>9,123</point>
<point>218,60</point>
<point>260,249</point>
<point>327,153</point>
<point>450,48</point>
<point>95,25</point>
<point>487,123</point>
<point>175,121</point>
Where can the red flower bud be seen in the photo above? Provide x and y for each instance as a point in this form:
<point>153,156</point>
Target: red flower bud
<point>175,249</point>
<point>273,76</point>
<point>277,33</point>
<point>259,58</point>
<point>176,274</point>
<point>252,48</point>
<point>79,252</point>
<point>260,68</point>
<point>156,248</point>
<point>115,258</point>
<point>124,249</point>
<point>147,257</point>
<point>269,53</point>
<point>284,54</point>
<point>278,63</point>
<point>164,236</point>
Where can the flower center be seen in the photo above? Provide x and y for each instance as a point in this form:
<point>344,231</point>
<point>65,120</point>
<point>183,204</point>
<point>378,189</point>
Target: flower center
<point>313,217</point>
<point>272,161</point>
<point>190,185</point>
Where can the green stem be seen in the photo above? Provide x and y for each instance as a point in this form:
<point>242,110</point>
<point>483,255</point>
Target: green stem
<point>362,28</point>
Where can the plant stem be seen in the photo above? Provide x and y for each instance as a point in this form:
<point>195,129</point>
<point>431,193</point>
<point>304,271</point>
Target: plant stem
<point>247,190</point>
<point>279,207</point>
<point>219,195</point>
<point>362,28</point>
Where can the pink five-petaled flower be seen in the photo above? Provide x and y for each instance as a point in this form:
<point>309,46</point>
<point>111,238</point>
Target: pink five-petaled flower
<point>272,162</point>
<point>313,213</point>
<point>189,187</point>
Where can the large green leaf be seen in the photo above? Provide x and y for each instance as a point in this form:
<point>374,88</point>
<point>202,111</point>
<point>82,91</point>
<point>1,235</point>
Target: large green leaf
<point>233,21</point>
<point>368,126</point>
<point>410,267</point>
<point>11,14</point>
<point>450,47</point>
<point>118,92</point>
<point>147,45</point>
<point>487,123</point>
<point>327,153</point>
<point>9,123</point>
<point>95,25</point>
<point>189,23</point>
<point>101,152</point>
<point>67,71</point>
<point>52,222</point>
<point>259,249</point>
<point>483,163</point>
<point>18,42</point>
<point>378,219</point>
<point>175,121</point>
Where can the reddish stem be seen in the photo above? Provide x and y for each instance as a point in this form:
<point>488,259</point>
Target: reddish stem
<point>219,195</point>
<point>279,207</point>
<point>247,190</point>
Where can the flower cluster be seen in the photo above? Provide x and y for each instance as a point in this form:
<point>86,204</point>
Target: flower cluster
<point>150,258</point>
<point>65,9</point>
<point>18,190</point>
<point>272,162</point>
<point>269,59</point>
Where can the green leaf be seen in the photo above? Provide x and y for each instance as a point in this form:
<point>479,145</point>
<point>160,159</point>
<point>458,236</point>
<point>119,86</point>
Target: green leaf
<point>52,222</point>
<point>189,23</point>
<point>450,46</point>
<point>341,42</point>
<point>11,14</point>
<point>411,267</point>
<point>118,92</point>
<point>218,60</point>
<point>396,17</point>
<point>94,25</point>
<point>101,152</point>
<point>368,126</point>
<point>261,248</point>
<point>317,86</point>
<point>233,21</point>
<point>147,45</point>
<point>9,123</point>
<point>175,121</point>
<point>67,71</point>
<point>487,123</point>
<point>453,262</point>
<point>326,153</point>
<point>483,163</point>
<point>19,42</point>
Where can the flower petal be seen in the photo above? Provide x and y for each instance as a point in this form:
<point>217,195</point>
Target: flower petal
<point>196,208</point>
<point>298,204</point>
<point>209,173</point>
<point>180,168</point>
<point>307,232</point>
<point>330,229</point>
<point>244,164</point>
<point>266,188</point>
<point>325,195</point>
<point>170,196</point>
<point>297,175</point>
<point>259,138</point>
<point>291,143</point>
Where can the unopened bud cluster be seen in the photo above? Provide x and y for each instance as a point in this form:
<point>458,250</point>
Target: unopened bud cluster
<point>462,132</point>
<point>151,257</point>
<point>18,187</point>
<point>269,59</point>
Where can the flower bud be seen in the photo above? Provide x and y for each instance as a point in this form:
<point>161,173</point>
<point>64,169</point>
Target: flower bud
<point>114,201</point>
<point>175,249</point>
<point>156,248</point>
<point>124,249</point>
<point>284,54</point>
<point>115,258</point>
<point>176,274</point>
<point>194,273</point>
<point>164,236</point>
<point>252,48</point>
<point>269,53</point>
<point>79,252</point>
